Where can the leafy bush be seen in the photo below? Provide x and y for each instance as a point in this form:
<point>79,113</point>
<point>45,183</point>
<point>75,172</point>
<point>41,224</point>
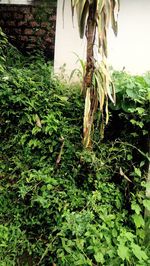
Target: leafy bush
<point>133,97</point>
<point>60,204</point>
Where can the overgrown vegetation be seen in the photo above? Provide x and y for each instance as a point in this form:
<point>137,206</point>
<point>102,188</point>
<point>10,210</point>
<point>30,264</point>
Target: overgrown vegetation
<point>61,204</point>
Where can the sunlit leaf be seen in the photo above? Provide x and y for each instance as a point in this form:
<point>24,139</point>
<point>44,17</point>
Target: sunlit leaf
<point>146,204</point>
<point>138,252</point>
<point>123,252</point>
<point>138,220</point>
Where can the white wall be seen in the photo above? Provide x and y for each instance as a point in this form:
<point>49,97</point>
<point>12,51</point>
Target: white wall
<point>131,49</point>
<point>16,2</point>
<point>67,41</point>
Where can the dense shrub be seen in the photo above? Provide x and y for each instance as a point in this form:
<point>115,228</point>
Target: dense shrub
<point>61,204</point>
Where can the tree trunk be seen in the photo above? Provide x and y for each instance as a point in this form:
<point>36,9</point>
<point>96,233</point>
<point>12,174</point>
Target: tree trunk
<point>90,35</point>
<point>90,67</point>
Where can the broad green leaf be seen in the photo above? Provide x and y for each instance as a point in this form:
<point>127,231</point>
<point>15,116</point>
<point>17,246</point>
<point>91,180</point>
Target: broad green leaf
<point>138,220</point>
<point>138,252</point>
<point>137,171</point>
<point>99,257</point>
<point>123,252</point>
<point>146,204</point>
<point>147,185</point>
<point>114,232</point>
<point>140,110</point>
<point>129,157</point>
<point>136,207</point>
<point>131,93</point>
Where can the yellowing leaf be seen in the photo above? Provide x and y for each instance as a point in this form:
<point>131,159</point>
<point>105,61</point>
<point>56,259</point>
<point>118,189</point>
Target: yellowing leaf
<point>86,121</point>
<point>123,174</point>
<point>100,5</point>
<point>38,121</point>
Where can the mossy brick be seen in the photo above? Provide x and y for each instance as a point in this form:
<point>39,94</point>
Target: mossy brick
<point>40,32</point>
<point>33,24</point>
<point>28,31</point>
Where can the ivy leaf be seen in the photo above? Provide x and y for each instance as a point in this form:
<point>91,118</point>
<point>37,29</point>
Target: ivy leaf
<point>140,110</point>
<point>123,252</point>
<point>114,232</point>
<point>147,185</point>
<point>138,123</point>
<point>131,94</point>
<point>138,252</point>
<point>137,171</point>
<point>146,204</point>
<point>99,257</point>
<point>129,157</point>
<point>138,220</point>
<point>135,207</point>
<point>142,163</point>
<point>49,186</point>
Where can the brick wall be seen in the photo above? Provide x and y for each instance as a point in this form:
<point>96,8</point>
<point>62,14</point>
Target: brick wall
<point>30,27</point>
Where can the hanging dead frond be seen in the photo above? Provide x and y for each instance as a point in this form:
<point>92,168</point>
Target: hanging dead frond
<point>95,17</point>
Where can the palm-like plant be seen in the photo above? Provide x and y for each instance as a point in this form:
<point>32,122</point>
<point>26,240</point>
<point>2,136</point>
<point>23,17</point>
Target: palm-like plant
<point>94,18</point>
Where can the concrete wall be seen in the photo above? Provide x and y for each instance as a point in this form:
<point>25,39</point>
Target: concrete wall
<point>16,2</point>
<point>68,45</point>
<point>131,49</point>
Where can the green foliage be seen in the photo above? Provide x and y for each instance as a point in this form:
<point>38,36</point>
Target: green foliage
<point>133,98</point>
<point>59,203</point>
